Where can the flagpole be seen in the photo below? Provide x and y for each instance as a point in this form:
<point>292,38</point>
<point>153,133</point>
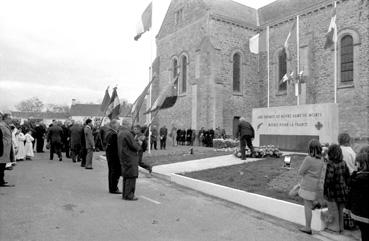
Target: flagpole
<point>298,59</point>
<point>335,57</point>
<point>268,68</point>
<point>151,39</point>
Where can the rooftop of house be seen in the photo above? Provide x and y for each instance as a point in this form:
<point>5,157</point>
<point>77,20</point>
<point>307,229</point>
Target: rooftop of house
<point>85,110</point>
<point>40,115</point>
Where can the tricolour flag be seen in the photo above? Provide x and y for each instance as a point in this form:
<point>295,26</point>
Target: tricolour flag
<point>135,111</point>
<point>113,109</point>
<point>289,35</point>
<point>105,101</point>
<point>167,97</point>
<point>254,44</point>
<point>145,22</point>
<point>332,31</point>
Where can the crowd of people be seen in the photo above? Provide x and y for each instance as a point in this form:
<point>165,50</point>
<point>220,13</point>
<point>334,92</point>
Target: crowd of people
<point>339,176</point>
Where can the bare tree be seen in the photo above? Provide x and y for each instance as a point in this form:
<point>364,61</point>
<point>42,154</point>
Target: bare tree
<point>33,104</point>
<point>57,108</point>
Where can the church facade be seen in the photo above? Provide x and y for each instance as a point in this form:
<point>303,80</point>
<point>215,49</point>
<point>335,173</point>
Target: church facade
<point>206,42</point>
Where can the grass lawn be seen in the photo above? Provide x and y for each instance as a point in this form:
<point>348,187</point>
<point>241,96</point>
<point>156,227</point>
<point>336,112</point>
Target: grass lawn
<point>266,177</point>
<point>180,154</point>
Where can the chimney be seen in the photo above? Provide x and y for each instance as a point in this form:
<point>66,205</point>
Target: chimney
<point>73,101</point>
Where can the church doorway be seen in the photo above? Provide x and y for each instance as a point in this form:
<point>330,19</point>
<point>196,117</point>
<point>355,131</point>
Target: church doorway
<point>236,120</point>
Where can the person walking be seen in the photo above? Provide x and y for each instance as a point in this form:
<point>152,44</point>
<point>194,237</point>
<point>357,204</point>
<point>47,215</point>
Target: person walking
<point>128,150</point>
<point>336,182</point>
<point>310,171</point>
<point>358,196</point>
<point>111,149</point>
<point>54,138</point>
<point>246,133</point>
<point>163,132</point>
<point>89,143</point>
<point>6,148</point>
<point>40,131</point>
<point>76,131</point>
<point>29,146</point>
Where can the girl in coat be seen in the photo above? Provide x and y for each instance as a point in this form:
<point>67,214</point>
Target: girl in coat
<point>359,195</point>
<point>21,153</point>
<point>29,146</point>
<point>336,181</point>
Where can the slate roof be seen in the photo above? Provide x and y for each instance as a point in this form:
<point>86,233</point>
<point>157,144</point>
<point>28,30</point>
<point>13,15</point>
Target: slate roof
<point>85,110</point>
<point>39,115</point>
<point>280,9</point>
<point>232,10</point>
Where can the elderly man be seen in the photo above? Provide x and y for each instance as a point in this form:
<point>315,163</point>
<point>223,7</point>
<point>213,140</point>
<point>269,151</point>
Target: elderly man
<point>6,149</point>
<point>54,138</point>
<point>128,150</point>
<point>246,133</point>
<point>90,143</point>
<point>111,148</point>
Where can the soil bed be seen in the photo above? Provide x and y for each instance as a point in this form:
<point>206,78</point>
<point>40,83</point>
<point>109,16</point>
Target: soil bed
<point>267,177</point>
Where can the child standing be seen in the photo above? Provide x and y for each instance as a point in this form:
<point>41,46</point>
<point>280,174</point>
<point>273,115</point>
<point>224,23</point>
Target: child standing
<point>29,146</point>
<point>21,153</point>
<point>336,179</point>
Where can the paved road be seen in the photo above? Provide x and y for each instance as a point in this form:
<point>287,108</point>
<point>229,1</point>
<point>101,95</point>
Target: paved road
<point>55,201</point>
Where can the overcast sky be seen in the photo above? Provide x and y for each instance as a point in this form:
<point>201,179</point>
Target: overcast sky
<point>60,50</point>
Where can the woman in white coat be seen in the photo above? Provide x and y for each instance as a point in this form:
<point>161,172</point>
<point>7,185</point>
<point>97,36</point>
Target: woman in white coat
<point>21,153</point>
<point>29,146</point>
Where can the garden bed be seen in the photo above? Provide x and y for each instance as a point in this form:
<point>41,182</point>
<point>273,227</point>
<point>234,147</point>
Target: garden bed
<point>266,177</point>
<point>181,154</point>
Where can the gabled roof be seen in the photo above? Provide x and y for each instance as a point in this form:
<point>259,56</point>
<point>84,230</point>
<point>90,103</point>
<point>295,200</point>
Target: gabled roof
<point>40,115</point>
<point>280,9</point>
<point>85,110</point>
<point>233,11</point>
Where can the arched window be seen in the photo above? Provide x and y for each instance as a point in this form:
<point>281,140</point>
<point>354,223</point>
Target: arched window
<point>184,74</point>
<point>347,59</point>
<point>237,72</point>
<point>175,71</point>
<point>282,70</point>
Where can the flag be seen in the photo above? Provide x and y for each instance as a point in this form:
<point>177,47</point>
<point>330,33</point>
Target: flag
<point>135,111</point>
<point>113,109</point>
<point>285,78</point>
<point>145,22</point>
<point>254,44</point>
<point>167,97</point>
<point>332,31</point>
<point>289,35</point>
<point>105,101</point>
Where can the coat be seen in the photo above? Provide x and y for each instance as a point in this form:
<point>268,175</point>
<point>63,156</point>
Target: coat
<point>89,138</point>
<point>39,131</point>
<point>336,182</point>
<point>55,134</point>
<point>128,150</point>
<point>163,132</point>
<point>310,170</point>
<point>358,197</point>
<point>245,129</point>
<point>112,148</point>
<point>76,132</point>
<point>6,149</point>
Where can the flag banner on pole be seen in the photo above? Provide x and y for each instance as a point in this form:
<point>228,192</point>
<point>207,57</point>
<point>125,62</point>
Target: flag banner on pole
<point>135,111</point>
<point>105,101</point>
<point>145,22</point>
<point>285,78</point>
<point>167,97</point>
<point>289,35</point>
<point>254,44</point>
<point>332,30</point>
<point>113,110</point>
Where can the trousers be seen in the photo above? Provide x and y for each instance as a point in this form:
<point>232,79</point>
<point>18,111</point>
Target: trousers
<point>245,140</point>
<point>55,147</point>
<point>129,187</point>
<point>89,156</point>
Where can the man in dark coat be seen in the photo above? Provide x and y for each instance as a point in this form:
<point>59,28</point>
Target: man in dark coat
<point>66,139</point>
<point>76,131</point>
<point>246,133</point>
<point>128,150</point>
<point>153,139</point>
<point>40,131</point>
<point>54,138</point>
<point>163,132</point>
<point>189,137</point>
<point>89,144</point>
<point>114,168</point>
<point>6,147</point>
<point>103,133</point>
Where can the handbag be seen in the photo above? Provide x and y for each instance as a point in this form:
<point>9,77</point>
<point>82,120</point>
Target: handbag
<point>295,190</point>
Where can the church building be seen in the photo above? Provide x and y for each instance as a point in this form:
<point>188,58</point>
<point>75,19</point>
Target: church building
<point>220,80</point>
